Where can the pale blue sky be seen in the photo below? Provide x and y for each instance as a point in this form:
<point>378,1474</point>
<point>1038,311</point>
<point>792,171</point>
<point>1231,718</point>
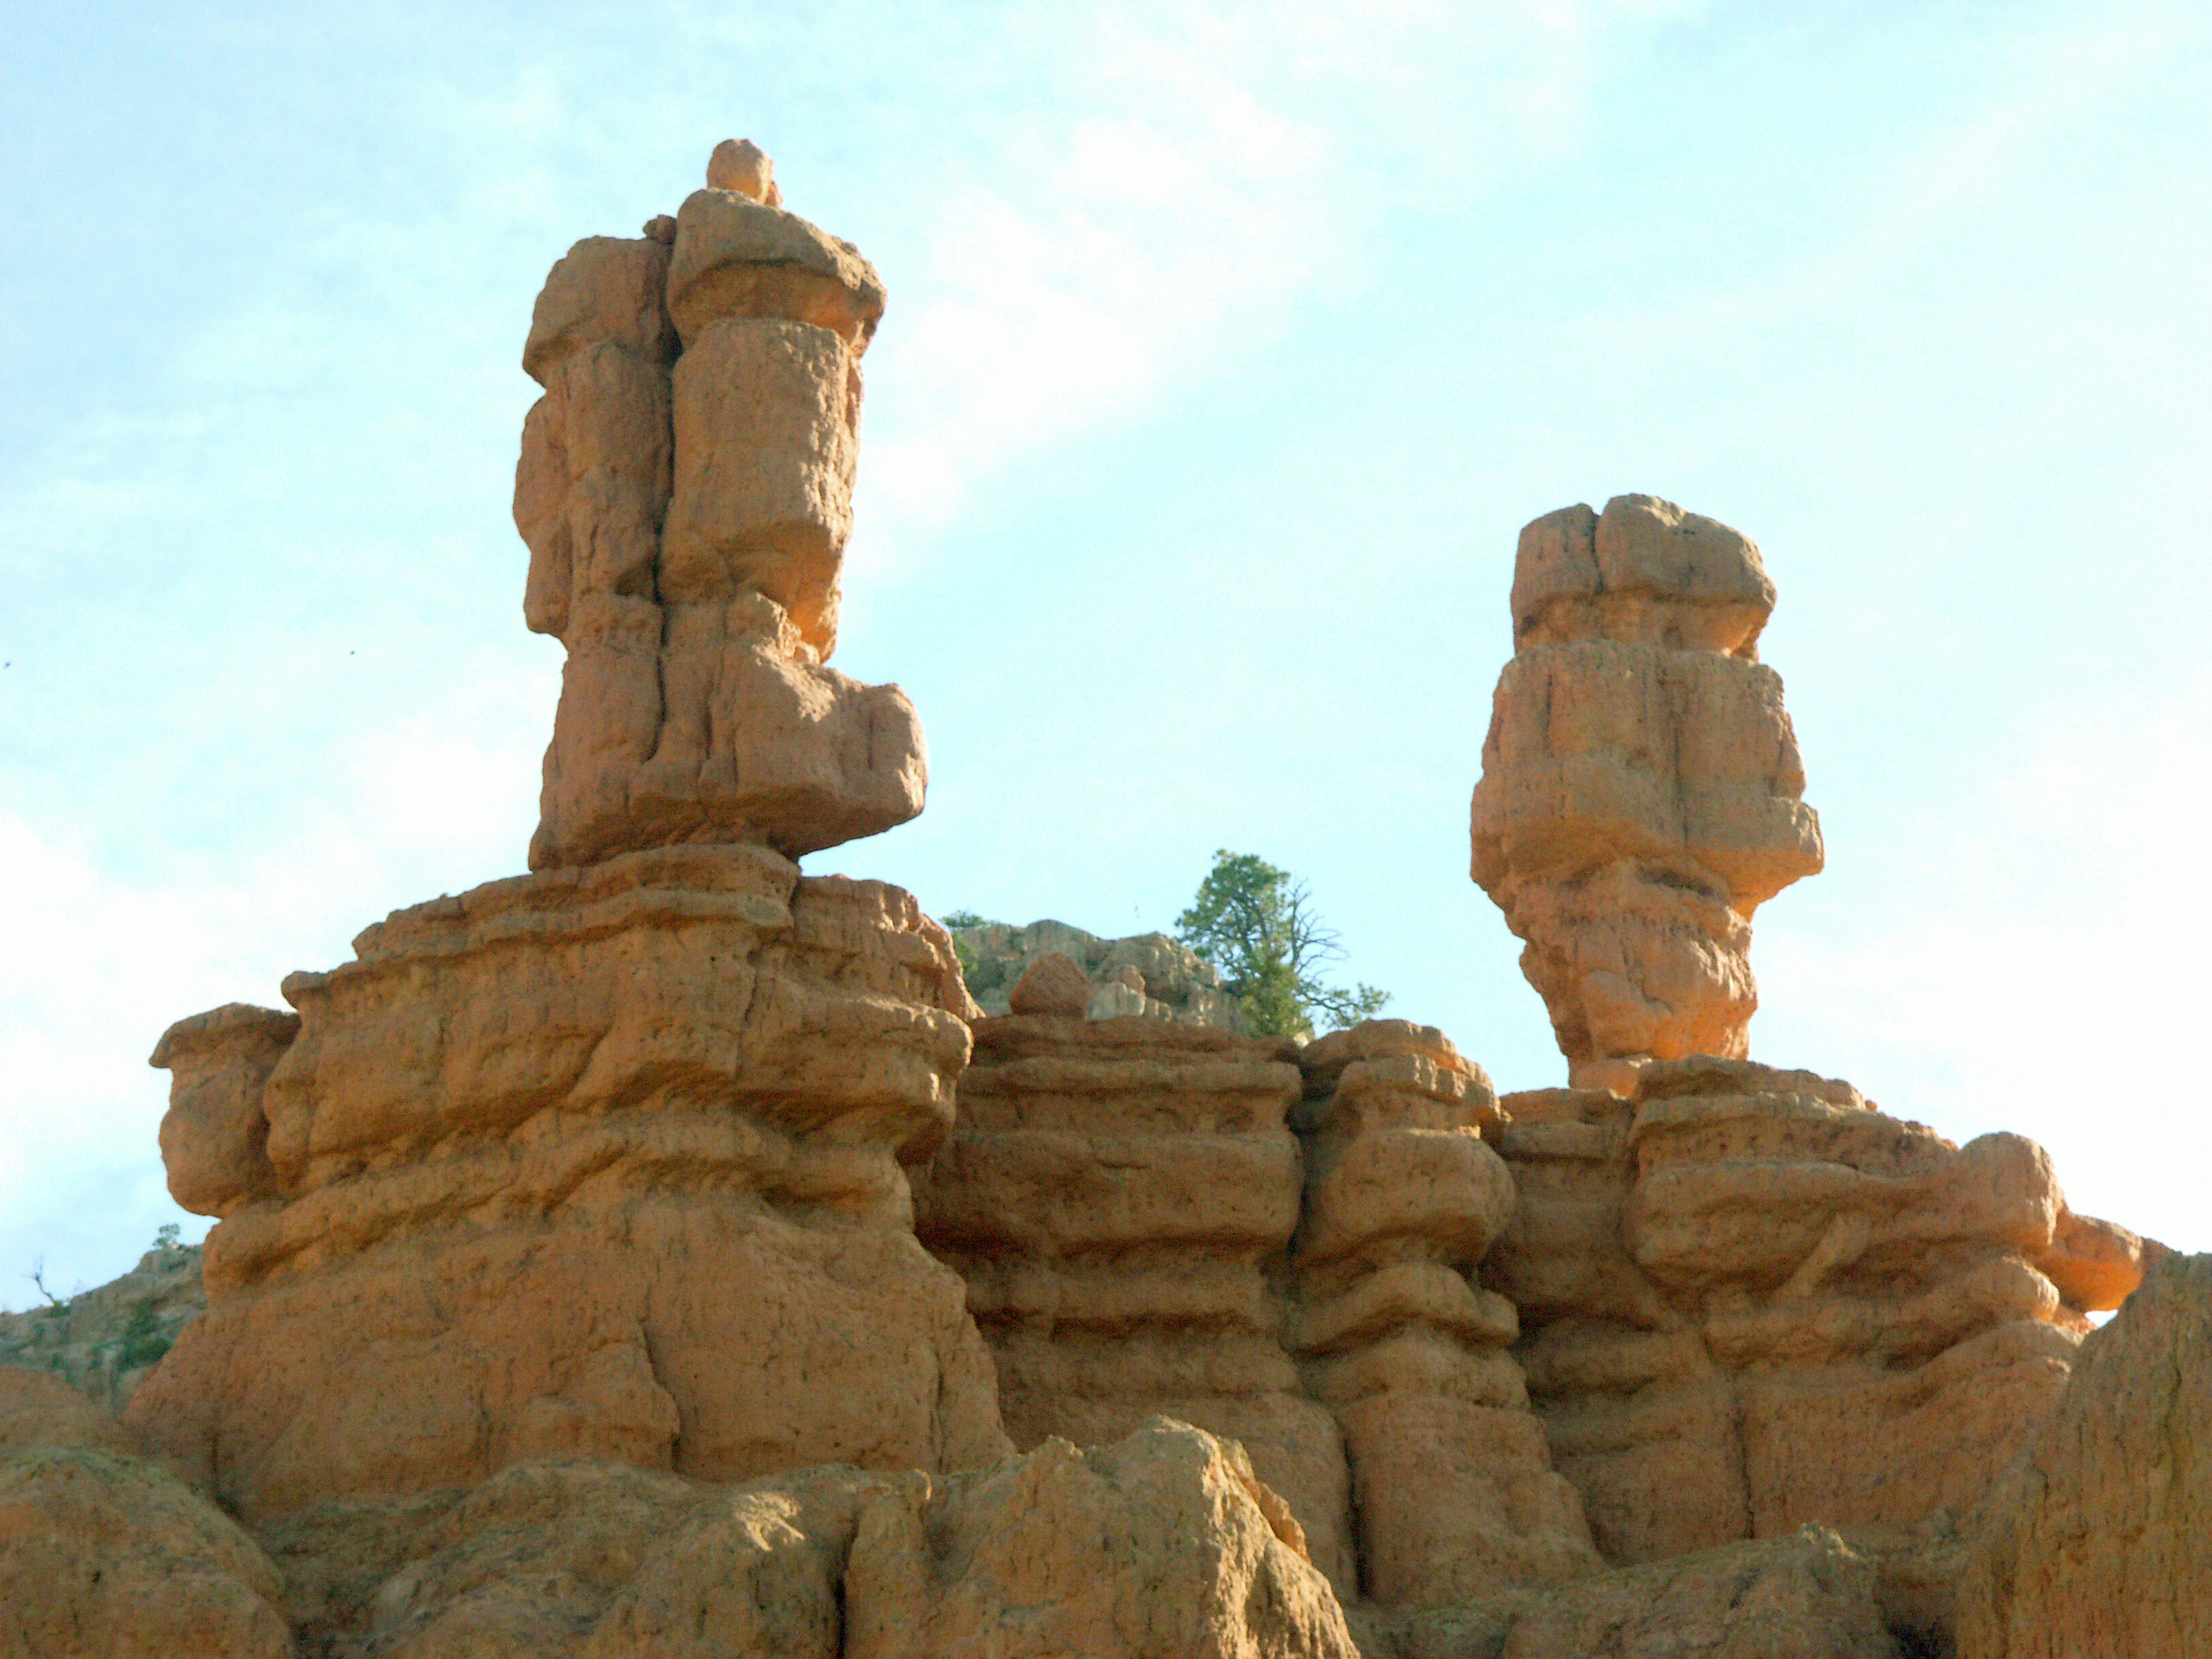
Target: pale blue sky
<point>1230,346</point>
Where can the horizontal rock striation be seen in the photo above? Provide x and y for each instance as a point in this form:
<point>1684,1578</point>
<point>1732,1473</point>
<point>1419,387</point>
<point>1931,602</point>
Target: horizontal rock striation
<point>1641,783</point>
<point>1118,1196</point>
<point>685,489</point>
<point>1750,1301</point>
<point>1452,1481</point>
<point>598,1163</point>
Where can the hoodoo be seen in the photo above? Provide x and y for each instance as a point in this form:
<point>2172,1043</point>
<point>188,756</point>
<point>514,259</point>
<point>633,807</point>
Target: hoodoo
<point>662,1255</point>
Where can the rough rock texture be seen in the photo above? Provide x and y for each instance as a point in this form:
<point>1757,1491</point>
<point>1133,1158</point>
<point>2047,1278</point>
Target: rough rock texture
<point>596,1163</point>
<point>1804,1597</point>
<point>685,489</point>
<point>2098,1541</point>
<point>105,1341</point>
<point>1147,974</point>
<point>102,1554</point>
<point>1452,1481</point>
<point>1118,1195</point>
<point>1641,784</point>
<point>1749,1301</point>
<point>1160,1547</point>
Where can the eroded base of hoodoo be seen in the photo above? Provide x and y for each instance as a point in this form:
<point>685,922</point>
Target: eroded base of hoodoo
<point>599,1163</point>
<point>1749,1301</point>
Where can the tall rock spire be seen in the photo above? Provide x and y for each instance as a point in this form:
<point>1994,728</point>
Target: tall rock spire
<point>1641,786</point>
<point>685,489</point>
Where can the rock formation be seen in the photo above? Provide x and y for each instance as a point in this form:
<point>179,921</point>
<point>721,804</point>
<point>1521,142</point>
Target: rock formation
<point>105,1341</point>
<point>604,1161</point>
<point>1640,792</point>
<point>569,1293</point>
<point>103,1553</point>
<point>1118,1196</point>
<point>685,489</point>
<point>549,1157</point>
<point>1750,1301</point>
<point>1142,1229</point>
<point>1453,1485</point>
<point>1147,974</point>
<point>2099,1539</point>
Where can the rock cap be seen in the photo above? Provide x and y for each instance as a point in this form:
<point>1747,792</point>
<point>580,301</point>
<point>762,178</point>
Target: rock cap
<point>1644,572</point>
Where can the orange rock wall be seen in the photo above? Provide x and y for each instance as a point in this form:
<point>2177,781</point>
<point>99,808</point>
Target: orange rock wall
<point>598,1163</point>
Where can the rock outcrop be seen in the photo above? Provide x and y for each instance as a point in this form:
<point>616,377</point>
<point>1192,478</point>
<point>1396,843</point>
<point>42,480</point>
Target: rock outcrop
<point>1275,1244</point>
<point>105,1341</point>
<point>2098,1540</point>
<point>1452,1479</point>
<point>1641,785</point>
<point>1749,1301</point>
<point>685,489</point>
<point>1159,1547</point>
<point>604,1161</point>
<point>1147,974</point>
<point>593,1163</point>
<point>1118,1196</point>
<point>102,1552</point>
<point>569,1293</point>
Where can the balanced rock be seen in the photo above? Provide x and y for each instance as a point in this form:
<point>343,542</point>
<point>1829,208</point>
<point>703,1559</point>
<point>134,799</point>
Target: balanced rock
<point>1641,784</point>
<point>1749,1301</point>
<point>685,489</point>
<point>593,1163</point>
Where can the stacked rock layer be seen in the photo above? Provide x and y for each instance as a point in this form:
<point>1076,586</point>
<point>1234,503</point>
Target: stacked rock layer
<point>598,1163</point>
<point>1143,1229</point>
<point>685,489</point>
<point>1641,785</point>
<point>1750,1301</point>
<point>1118,1195</point>
<point>1452,1479</point>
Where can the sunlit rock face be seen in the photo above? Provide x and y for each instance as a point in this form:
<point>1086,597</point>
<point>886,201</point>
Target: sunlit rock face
<point>685,489</point>
<point>1641,786</point>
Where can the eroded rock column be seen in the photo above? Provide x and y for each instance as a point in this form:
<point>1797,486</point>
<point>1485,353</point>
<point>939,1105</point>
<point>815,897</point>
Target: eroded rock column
<point>1453,1482</point>
<point>685,489</point>
<point>1641,785</point>
<point>605,1161</point>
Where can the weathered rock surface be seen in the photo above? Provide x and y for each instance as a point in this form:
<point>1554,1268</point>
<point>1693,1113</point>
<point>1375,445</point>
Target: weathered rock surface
<point>1641,786</point>
<point>103,1341</point>
<point>1452,1481</point>
<point>598,1163</point>
<point>1118,1196</point>
<point>1160,1547</point>
<point>2097,1542</point>
<point>1803,1596</point>
<point>1749,1301</point>
<point>1147,974</point>
<point>103,1554</point>
<point>685,489</point>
